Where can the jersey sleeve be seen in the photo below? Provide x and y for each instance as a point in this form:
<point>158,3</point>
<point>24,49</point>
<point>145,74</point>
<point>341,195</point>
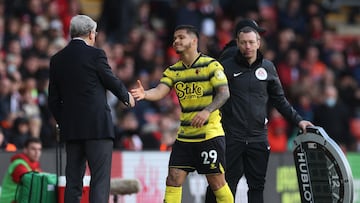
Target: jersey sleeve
<point>217,75</point>
<point>168,78</point>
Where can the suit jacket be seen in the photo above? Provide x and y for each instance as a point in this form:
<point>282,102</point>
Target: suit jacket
<point>79,78</point>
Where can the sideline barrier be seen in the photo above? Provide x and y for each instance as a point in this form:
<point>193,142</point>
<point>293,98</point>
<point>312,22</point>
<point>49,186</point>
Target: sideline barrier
<point>150,168</point>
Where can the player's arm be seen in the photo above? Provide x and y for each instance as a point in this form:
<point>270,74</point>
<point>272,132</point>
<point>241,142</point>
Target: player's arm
<point>153,94</point>
<point>220,84</point>
<point>222,94</point>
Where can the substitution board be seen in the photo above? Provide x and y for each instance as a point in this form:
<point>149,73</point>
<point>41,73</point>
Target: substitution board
<point>324,174</point>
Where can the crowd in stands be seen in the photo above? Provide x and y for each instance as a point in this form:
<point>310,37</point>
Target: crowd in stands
<point>319,69</point>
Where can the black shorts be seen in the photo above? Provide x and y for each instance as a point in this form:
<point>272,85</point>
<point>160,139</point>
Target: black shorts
<point>207,157</point>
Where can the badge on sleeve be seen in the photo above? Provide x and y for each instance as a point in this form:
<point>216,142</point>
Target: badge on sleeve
<point>261,73</point>
<point>220,75</point>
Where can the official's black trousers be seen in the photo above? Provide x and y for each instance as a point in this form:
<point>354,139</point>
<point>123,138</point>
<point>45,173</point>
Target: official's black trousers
<point>98,154</point>
<point>249,159</point>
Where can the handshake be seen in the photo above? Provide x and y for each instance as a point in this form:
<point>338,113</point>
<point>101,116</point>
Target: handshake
<point>136,94</point>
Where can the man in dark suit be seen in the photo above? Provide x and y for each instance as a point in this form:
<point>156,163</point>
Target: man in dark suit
<point>79,78</point>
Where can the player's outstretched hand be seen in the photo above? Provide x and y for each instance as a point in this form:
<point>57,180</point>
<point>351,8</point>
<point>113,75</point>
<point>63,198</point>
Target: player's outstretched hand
<point>139,92</point>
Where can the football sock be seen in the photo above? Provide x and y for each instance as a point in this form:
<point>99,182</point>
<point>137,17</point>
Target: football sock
<point>173,194</point>
<point>224,195</point>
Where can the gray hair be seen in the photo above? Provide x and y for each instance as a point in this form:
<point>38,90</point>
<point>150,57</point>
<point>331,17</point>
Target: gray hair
<point>81,25</point>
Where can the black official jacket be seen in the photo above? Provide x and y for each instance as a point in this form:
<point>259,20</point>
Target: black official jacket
<point>244,115</point>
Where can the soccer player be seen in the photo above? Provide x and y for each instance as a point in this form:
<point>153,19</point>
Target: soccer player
<point>201,87</point>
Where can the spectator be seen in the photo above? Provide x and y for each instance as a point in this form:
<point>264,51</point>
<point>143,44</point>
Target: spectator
<point>312,65</point>
<point>285,41</point>
<point>31,66</point>
<point>277,131</point>
<point>168,128</point>
<point>224,31</point>
<point>316,29</point>
<point>5,90</point>
<point>30,106</point>
<point>117,19</point>
<point>304,106</point>
<point>235,9</point>
<point>12,27</point>
<point>127,132</point>
<point>187,13</point>
<point>145,57</point>
<point>330,44</point>
<point>334,117</point>
<point>337,64</point>
<point>291,16</point>
<point>25,36</point>
<point>4,144</point>
<point>349,92</point>
<point>15,97</point>
<point>20,132</point>
<point>289,69</point>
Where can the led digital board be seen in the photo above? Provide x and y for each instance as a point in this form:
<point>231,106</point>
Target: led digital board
<point>324,174</point>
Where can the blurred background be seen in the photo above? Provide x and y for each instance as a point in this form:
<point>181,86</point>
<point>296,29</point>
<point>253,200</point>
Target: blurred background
<point>315,45</point>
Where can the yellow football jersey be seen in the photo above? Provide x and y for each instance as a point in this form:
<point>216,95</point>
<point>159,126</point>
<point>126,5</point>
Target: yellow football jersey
<point>195,88</point>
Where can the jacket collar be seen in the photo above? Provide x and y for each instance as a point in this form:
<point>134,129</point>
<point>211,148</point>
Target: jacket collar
<point>78,40</point>
<point>241,60</point>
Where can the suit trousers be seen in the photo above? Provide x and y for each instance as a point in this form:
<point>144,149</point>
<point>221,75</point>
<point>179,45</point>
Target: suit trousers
<point>98,154</point>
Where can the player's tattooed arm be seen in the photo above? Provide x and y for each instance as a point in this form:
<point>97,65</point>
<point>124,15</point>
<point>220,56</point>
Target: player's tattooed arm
<point>222,94</point>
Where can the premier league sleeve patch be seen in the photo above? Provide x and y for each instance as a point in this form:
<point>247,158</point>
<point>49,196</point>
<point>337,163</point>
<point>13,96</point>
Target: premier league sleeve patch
<point>219,75</point>
<point>261,73</point>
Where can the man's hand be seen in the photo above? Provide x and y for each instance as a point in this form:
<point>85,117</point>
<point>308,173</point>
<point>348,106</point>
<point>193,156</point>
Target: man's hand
<point>139,92</point>
<point>131,100</point>
<point>303,124</point>
<point>200,118</point>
